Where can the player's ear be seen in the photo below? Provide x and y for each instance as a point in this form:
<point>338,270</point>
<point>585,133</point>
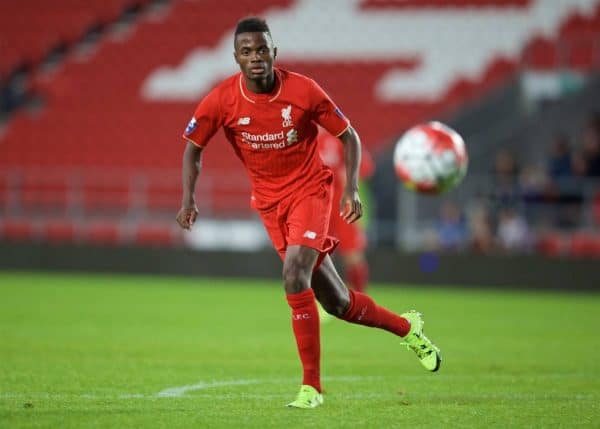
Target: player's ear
<point>235,57</point>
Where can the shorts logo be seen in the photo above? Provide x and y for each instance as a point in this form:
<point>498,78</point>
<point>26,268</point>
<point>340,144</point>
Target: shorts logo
<point>191,126</point>
<point>286,114</point>
<point>245,120</point>
<point>310,235</point>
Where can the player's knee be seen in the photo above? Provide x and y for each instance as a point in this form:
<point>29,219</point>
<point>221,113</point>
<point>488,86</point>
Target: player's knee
<point>336,305</point>
<point>295,278</point>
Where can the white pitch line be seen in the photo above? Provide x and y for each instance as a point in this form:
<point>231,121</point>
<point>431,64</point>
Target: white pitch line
<point>179,391</point>
<point>173,392</point>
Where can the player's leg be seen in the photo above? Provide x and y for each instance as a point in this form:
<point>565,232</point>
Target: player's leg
<point>288,233</point>
<point>359,308</point>
<point>297,272</point>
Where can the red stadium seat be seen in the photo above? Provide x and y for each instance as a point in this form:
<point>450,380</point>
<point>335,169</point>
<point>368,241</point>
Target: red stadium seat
<point>551,244</point>
<point>47,25</point>
<point>59,231</point>
<point>583,54</point>
<point>155,235</point>
<point>45,192</point>
<point>102,232</point>
<point>110,196</point>
<point>585,244</point>
<point>17,229</point>
<point>541,54</point>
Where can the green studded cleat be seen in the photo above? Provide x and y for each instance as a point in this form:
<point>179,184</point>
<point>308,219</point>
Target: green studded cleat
<point>308,397</point>
<point>426,351</point>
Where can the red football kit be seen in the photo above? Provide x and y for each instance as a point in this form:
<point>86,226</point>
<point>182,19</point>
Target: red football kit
<point>351,236</point>
<point>275,137</point>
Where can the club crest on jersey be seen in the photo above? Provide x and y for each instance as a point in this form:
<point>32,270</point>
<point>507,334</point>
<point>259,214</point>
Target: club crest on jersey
<point>286,114</point>
<point>191,126</point>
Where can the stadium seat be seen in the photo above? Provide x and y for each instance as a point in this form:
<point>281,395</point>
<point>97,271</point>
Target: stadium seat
<point>551,244</point>
<point>49,24</point>
<point>156,235</point>
<point>59,231</point>
<point>103,232</point>
<point>17,230</point>
<point>585,244</point>
<point>541,54</point>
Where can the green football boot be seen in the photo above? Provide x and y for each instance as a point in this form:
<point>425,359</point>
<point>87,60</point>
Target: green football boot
<point>426,351</point>
<point>308,397</point>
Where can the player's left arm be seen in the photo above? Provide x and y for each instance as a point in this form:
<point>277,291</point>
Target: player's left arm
<point>350,205</point>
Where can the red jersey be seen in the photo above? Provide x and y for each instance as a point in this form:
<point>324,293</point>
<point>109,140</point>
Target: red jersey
<point>274,135</point>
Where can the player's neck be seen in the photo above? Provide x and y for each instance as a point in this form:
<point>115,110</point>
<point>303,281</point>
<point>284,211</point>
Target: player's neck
<point>262,86</point>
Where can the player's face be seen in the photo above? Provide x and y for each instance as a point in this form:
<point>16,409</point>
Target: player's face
<point>255,53</point>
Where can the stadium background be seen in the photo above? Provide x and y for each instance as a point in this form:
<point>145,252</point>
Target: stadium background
<point>94,96</point>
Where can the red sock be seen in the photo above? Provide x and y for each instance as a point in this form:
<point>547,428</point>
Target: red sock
<point>358,276</point>
<point>364,311</point>
<point>305,323</point>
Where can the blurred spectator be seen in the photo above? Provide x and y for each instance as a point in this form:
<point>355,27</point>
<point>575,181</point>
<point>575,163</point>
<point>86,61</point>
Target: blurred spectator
<point>505,179</point>
<point>559,164</point>
<point>482,237</point>
<point>513,232</point>
<point>591,146</point>
<point>506,168</point>
<point>534,182</point>
<point>537,191</point>
<point>452,229</point>
<point>578,165</point>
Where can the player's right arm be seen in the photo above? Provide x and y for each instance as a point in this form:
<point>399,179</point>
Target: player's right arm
<point>192,162</point>
<point>206,121</point>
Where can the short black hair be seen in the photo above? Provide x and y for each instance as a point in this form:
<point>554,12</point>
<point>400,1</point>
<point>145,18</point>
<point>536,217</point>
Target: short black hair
<point>252,24</point>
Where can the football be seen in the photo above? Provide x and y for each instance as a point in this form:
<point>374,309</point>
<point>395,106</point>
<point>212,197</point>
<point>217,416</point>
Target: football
<point>430,158</point>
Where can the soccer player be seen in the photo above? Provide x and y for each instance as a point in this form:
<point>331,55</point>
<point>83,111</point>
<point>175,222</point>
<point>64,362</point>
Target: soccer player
<point>269,116</point>
<point>352,238</point>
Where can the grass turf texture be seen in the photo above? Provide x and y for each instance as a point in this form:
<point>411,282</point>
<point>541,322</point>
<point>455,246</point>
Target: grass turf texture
<point>102,351</point>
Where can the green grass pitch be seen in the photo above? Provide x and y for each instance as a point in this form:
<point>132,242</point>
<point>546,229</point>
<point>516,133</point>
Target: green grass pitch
<point>101,351</point>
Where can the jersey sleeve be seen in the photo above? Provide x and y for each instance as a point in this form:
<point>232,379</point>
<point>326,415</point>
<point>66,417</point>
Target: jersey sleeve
<point>326,113</point>
<point>206,120</point>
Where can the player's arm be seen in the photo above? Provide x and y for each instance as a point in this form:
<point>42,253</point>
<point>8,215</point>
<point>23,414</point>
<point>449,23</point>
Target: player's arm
<point>192,157</point>
<point>351,206</point>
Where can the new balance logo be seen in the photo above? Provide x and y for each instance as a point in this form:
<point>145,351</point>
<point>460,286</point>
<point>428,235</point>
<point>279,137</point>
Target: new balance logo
<point>310,234</point>
<point>244,120</point>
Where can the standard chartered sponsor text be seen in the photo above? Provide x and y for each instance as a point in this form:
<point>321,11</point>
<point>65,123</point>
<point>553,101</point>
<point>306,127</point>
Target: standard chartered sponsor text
<point>267,140</point>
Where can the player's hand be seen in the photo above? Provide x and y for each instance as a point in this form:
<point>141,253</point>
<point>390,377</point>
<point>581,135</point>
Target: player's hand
<point>187,216</point>
<point>350,206</point>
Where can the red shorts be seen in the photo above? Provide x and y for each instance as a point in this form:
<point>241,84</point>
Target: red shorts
<point>351,235</point>
<point>302,220</point>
